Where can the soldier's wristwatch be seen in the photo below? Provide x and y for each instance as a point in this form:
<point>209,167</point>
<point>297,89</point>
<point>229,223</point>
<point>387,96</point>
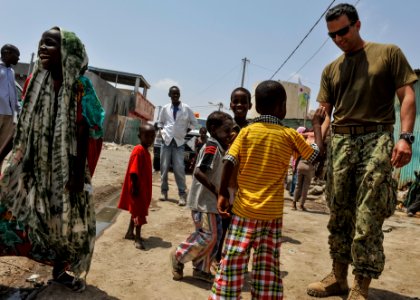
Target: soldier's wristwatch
<point>407,136</point>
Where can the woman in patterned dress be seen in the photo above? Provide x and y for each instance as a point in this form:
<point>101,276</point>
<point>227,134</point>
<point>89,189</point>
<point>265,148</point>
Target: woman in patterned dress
<point>46,209</point>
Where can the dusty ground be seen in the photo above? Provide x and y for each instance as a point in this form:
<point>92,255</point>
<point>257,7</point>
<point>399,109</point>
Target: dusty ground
<point>119,271</point>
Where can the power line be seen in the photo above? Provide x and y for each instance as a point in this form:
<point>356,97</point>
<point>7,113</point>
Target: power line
<point>210,105</point>
<point>217,80</point>
<point>206,110</point>
<point>304,38</point>
<point>307,61</point>
<point>262,67</point>
<point>317,51</point>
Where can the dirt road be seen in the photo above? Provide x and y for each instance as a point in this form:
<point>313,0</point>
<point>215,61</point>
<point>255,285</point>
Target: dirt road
<point>120,271</point>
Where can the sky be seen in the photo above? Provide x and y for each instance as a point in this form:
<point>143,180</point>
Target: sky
<point>199,45</point>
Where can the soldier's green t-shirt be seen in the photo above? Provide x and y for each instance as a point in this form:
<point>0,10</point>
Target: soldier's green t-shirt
<point>361,86</point>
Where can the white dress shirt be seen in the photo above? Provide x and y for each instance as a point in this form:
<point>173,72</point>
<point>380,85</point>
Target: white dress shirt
<point>176,128</point>
<point>9,104</point>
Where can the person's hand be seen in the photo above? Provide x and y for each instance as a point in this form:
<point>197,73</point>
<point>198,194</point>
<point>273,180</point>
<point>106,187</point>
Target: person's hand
<point>401,155</point>
<point>319,116</point>
<point>223,206</point>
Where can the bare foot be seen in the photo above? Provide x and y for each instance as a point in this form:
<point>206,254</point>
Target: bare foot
<point>129,236</point>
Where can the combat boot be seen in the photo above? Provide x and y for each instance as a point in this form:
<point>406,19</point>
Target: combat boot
<point>333,284</point>
<point>360,288</point>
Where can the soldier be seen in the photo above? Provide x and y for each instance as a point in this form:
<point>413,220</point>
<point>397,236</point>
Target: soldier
<point>360,85</point>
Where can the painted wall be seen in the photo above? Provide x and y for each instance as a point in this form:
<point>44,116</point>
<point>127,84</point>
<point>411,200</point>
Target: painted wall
<point>295,105</point>
<point>113,103</point>
<point>123,112</point>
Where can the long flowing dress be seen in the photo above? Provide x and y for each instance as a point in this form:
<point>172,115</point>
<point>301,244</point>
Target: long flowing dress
<point>39,217</point>
<point>140,164</point>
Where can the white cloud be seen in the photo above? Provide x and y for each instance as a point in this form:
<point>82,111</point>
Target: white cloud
<point>165,84</point>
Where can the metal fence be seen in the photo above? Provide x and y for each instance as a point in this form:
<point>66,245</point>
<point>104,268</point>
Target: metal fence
<point>406,173</point>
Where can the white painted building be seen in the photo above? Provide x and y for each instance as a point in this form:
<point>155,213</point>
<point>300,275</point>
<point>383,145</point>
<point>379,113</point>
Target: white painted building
<point>297,106</point>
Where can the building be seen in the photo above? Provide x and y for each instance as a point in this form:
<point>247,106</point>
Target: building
<point>125,108</point>
<point>298,97</point>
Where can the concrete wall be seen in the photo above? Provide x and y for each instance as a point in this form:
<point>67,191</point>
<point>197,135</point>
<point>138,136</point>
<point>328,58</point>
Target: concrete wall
<point>21,73</point>
<point>123,111</point>
<point>107,95</point>
<point>144,108</point>
<point>295,108</point>
<point>114,102</point>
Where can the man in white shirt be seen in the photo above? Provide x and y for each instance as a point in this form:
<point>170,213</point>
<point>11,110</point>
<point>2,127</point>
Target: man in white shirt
<point>175,120</point>
<point>9,105</point>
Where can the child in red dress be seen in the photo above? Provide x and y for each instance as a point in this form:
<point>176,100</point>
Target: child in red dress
<point>136,193</point>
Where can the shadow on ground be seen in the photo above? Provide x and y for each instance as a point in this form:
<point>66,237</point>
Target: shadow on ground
<point>156,242</point>
<point>53,291</point>
<point>287,239</point>
<point>378,294</point>
<point>207,286</point>
<point>18,293</point>
<point>197,282</point>
<point>172,200</point>
<point>312,211</point>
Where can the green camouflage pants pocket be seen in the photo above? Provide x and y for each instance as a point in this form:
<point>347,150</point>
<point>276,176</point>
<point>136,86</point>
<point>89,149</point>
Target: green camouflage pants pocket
<point>390,193</point>
<point>362,195</point>
<point>329,178</point>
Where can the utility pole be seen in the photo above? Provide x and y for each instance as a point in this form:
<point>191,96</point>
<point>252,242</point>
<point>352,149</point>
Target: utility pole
<point>306,111</point>
<point>31,65</point>
<point>159,108</point>
<point>219,105</point>
<point>245,60</point>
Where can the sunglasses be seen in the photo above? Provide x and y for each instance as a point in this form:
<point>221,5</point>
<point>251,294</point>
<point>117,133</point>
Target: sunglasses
<point>341,32</point>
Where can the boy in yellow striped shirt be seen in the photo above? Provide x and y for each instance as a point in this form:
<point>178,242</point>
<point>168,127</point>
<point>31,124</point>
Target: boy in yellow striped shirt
<point>262,152</point>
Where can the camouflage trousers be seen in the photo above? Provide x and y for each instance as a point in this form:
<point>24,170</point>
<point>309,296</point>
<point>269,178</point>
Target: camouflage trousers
<point>360,193</point>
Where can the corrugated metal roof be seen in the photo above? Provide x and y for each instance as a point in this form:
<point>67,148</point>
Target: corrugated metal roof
<point>406,174</point>
<point>120,77</point>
